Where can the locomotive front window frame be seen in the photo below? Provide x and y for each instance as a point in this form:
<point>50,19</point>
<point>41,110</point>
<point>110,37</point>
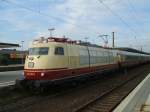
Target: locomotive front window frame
<point>38,51</point>
<point>59,51</point>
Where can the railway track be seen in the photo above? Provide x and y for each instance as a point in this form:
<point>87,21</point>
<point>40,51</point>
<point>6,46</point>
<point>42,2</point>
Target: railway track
<point>110,99</point>
<point>98,95</point>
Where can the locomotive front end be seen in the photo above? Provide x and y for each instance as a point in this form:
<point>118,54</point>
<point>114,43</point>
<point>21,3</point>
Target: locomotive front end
<point>47,60</point>
<point>36,62</point>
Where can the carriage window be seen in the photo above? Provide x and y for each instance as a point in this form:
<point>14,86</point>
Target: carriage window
<point>59,51</point>
<point>38,51</point>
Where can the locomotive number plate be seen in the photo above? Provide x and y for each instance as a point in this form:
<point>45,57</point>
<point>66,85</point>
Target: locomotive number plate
<point>30,64</point>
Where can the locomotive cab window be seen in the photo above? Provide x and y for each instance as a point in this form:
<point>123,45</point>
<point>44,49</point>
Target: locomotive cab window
<point>38,51</point>
<point>59,51</point>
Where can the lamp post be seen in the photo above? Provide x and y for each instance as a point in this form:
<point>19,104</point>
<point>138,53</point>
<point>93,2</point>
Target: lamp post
<point>86,40</point>
<point>22,42</point>
<point>113,39</point>
<point>50,30</point>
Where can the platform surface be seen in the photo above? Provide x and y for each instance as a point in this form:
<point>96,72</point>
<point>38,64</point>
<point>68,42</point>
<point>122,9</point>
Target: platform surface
<point>9,77</point>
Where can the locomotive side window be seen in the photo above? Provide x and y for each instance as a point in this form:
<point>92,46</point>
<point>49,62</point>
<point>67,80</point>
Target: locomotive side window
<point>59,51</point>
<point>38,51</point>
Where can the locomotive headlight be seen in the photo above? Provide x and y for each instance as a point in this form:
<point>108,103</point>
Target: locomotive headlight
<point>42,74</point>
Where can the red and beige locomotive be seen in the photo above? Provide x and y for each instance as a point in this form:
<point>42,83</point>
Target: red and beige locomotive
<point>53,59</point>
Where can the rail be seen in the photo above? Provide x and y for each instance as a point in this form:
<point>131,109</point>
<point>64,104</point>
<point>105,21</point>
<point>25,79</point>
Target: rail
<point>110,99</point>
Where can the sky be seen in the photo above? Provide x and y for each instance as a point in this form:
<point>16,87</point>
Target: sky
<point>26,20</point>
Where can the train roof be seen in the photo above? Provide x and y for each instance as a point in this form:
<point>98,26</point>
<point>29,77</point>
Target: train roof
<point>79,42</point>
<point>65,40</point>
<point>130,50</point>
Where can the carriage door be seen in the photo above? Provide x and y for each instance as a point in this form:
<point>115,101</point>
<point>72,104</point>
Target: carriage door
<point>72,58</point>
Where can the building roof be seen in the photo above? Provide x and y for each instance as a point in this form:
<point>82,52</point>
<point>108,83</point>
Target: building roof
<point>9,51</point>
<point>8,45</point>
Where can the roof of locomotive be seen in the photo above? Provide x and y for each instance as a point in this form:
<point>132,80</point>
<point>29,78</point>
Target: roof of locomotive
<point>83,43</point>
<point>65,40</point>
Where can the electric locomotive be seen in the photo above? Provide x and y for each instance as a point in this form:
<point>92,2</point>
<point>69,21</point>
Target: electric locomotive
<point>54,59</point>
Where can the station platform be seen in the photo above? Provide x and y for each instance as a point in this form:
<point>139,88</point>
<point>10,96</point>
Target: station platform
<point>11,67</point>
<point>138,100</point>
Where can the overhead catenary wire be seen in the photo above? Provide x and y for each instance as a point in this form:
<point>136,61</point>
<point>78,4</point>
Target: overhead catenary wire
<point>39,6</point>
<point>135,14</point>
<point>118,16</point>
<point>136,19</point>
<point>32,10</point>
<point>63,20</point>
<point>44,14</point>
<point>132,8</point>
